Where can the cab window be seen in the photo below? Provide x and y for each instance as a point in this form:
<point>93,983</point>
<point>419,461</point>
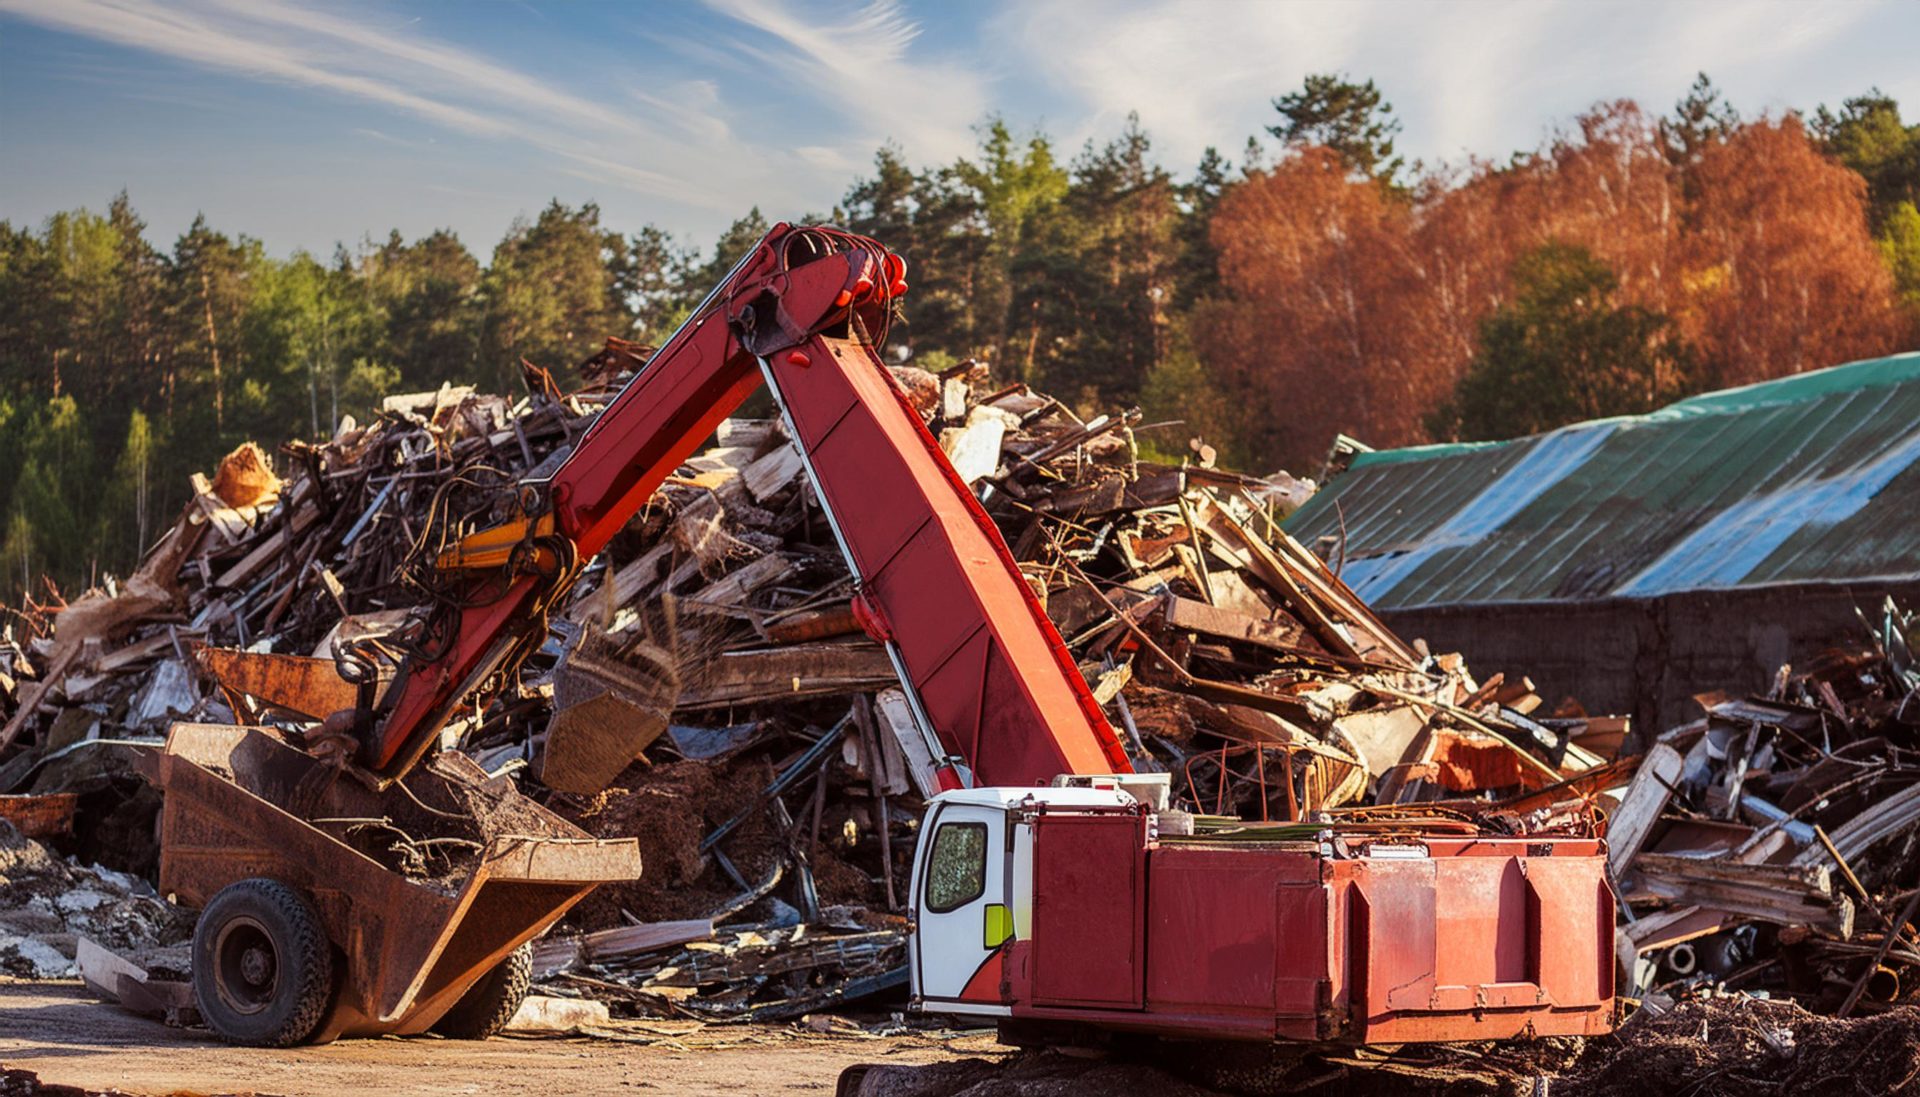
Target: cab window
<point>957,870</point>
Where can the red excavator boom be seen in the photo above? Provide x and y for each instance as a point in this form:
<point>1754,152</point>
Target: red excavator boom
<point>987,675</point>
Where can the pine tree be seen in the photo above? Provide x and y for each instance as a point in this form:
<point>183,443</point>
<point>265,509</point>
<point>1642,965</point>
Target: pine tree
<point>1354,120</point>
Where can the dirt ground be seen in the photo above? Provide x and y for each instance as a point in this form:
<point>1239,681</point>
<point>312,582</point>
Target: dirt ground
<point>66,1037</point>
<point>1719,1048</point>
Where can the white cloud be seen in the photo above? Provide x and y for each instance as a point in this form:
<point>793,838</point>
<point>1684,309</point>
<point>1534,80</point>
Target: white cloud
<point>459,70</point>
<point>860,64</point>
<point>1476,76</point>
<point>678,140</point>
<point>189,36</point>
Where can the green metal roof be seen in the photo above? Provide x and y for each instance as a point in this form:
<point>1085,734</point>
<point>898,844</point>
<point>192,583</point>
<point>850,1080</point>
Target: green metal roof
<point>1810,478</point>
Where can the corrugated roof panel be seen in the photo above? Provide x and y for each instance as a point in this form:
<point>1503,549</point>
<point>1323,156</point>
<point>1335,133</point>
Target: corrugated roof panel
<point>1551,460</point>
<point>1814,477</point>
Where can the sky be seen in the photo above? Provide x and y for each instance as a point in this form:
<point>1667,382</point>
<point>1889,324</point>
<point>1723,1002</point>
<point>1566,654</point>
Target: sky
<point>306,124</point>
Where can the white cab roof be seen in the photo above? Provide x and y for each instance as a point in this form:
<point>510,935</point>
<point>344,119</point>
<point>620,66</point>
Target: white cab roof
<point>1003,798</point>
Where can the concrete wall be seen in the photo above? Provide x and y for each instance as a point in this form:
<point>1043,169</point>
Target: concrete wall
<point>1649,657</point>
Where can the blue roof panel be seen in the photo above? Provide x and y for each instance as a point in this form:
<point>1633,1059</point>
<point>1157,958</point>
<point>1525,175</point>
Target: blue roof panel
<point>1814,477</point>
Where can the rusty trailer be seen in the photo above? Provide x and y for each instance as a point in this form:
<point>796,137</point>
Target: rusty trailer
<point>323,915</point>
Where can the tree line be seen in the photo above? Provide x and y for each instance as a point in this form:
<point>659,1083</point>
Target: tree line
<point>1320,284</point>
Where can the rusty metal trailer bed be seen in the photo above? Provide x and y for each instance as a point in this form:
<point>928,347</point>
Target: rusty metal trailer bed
<point>304,938</point>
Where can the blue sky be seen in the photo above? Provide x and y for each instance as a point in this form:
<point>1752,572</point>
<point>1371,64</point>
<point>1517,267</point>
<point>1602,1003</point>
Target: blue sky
<point>307,123</point>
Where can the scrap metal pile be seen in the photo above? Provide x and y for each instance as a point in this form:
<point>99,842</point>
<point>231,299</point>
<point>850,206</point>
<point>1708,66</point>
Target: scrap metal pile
<point>776,788</point>
<point>1774,844</point>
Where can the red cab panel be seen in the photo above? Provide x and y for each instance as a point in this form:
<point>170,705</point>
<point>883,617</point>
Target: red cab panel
<point>1089,906</point>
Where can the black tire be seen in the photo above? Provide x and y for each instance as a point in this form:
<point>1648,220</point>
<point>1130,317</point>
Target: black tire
<point>489,1004</point>
<point>262,965</point>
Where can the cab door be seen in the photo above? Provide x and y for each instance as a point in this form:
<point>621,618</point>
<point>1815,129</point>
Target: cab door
<point>961,915</point>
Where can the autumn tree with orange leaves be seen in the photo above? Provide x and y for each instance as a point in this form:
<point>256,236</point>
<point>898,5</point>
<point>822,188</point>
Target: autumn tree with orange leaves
<point>1351,306</point>
<point>1782,275</point>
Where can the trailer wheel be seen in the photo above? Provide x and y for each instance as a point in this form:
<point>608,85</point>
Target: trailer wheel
<point>262,964</point>
<point>489,1004</point>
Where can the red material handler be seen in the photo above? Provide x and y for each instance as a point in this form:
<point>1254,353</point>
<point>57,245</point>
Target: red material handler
<point>988,675</point>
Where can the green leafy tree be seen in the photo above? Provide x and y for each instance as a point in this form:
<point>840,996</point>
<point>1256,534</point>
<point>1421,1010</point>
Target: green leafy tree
<point>210,286</point>
<point>425,305</point>
<point>17,558</point>
<point>128,520</point>
<point>658,283</point>
<point>733,245</point>
<point>553,291</point>
<point>1900,244</point>
<point>1199,261</point>
<point>1180,391</point>
<point>1564,350</point>
<point>1012,187</point>
<point>947,250</point>
<point>82,255</point>
<point>883,206</point>
<point>1354,120</point>
<point>140,344</point>
<point>1094,282</point>
<point>52,507</point>
<point>963,231</point>
<point>1868,135</point>
<point>302,327</point>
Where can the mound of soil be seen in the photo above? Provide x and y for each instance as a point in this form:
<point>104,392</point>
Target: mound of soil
<point>669,809</point>
<point>1042,1074</point>
<point>1727,1047</point>
<point>1736,1047</point>
<point>838,882</point>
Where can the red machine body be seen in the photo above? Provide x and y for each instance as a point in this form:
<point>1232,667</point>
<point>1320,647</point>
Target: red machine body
<point>1087,916</point>
<point>1471,940</point>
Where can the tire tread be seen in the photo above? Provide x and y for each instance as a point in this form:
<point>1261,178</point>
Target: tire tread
<point>309,960</point>
<point>489,1004</point>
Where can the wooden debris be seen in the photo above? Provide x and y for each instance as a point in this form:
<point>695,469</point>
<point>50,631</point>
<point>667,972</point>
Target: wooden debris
<point>1741,820</point>
<point>725,653</point>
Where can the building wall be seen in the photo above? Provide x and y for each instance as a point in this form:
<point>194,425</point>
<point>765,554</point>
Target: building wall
<point>1649,657</point>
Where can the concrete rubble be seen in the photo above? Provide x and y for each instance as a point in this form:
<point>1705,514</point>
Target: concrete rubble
<point>49,905</point>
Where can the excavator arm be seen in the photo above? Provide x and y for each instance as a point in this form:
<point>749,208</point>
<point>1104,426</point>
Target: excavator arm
<point>989,680</point>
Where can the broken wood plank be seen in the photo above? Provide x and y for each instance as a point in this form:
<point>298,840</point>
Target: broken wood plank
<point>1312,575</point>
<point>731,591</point>
<point>267,550</point>
<point>1646,797</point>
<point>1260,560</point>
<point>1785,895</point>
<point>895,716</point>
<point>800,670</point>
<point>975,448</point>
<point>624,586</point>
<point>1113,493</point>
<point>1189,615</point>
<point>557,954</point>
<point>545,1013</point>
<point>775,472</point>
